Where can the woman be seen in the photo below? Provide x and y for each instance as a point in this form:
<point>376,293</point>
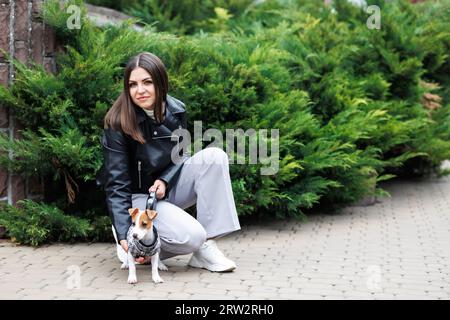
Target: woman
<point>137,144</point>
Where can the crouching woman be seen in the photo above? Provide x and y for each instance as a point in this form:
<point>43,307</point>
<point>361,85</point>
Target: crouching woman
<point>137,144</point>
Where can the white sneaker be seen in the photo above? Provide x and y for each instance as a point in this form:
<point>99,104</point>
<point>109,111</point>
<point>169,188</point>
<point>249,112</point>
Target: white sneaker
<point>211,258</point>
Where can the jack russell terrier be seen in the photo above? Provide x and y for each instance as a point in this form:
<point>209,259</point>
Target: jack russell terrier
<point>143,241</point>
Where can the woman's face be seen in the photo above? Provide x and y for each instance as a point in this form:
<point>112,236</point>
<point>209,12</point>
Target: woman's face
<point>142,90</point>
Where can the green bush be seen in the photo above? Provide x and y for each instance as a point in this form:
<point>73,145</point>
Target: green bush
<point>181,17</point>
<point>350,103</point>
<point>37,223</point>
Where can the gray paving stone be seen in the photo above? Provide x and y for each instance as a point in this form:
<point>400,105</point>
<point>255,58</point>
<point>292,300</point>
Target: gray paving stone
<point>402,242</point>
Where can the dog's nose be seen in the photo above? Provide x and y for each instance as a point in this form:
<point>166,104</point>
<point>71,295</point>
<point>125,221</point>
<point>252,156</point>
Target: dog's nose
<point>135,235</point>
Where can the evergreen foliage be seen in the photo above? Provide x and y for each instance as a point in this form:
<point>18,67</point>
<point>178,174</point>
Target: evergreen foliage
<point>36,223</point>
<point>353,106</point>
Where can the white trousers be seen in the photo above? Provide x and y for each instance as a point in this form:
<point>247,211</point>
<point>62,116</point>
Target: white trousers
<point>204,180</point>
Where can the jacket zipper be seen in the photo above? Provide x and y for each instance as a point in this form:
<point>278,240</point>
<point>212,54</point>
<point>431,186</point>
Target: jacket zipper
<point>164,137</point>
<point>139,170</point>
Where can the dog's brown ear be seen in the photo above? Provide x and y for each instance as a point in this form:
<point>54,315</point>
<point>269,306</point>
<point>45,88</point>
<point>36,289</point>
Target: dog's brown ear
<point>151,214</point>
<point>133,211</point>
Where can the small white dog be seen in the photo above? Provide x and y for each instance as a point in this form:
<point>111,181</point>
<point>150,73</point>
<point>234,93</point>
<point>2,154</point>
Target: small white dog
<point>143,241</point>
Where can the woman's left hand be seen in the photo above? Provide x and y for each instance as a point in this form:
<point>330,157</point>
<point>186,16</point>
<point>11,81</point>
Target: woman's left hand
<point>160,187</point>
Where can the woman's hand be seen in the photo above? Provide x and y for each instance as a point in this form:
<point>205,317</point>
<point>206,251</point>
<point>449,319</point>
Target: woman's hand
<point>160,187</point>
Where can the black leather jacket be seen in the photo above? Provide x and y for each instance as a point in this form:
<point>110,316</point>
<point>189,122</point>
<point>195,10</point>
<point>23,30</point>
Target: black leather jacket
<point>131,167</point>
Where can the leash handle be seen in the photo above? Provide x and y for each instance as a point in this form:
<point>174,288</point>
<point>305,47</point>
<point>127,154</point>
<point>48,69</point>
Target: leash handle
<point>151,200</point>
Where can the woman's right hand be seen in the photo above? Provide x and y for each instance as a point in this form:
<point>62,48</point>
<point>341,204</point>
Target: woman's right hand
<point>124,245</point>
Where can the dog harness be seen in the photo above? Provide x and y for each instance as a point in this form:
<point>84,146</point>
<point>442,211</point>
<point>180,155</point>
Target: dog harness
<point>136,247</point>
<point>139,249</point>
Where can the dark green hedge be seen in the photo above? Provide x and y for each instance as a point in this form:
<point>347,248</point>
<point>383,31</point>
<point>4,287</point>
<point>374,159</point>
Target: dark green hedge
<point>353,106</point>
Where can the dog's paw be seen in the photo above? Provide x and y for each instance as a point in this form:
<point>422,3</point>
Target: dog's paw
<point>157,279</point>
<point>124,266</point>
<point>162,266</point>
<point>132,279</point>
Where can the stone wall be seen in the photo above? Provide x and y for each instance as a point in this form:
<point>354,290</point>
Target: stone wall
<point>26,38</point>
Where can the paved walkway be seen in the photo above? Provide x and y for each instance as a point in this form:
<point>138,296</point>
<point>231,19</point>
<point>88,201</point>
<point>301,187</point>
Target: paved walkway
<point>398,248</point>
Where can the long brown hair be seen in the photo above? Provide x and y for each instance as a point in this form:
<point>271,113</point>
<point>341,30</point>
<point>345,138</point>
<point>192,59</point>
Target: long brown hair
<point>122,114</point>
